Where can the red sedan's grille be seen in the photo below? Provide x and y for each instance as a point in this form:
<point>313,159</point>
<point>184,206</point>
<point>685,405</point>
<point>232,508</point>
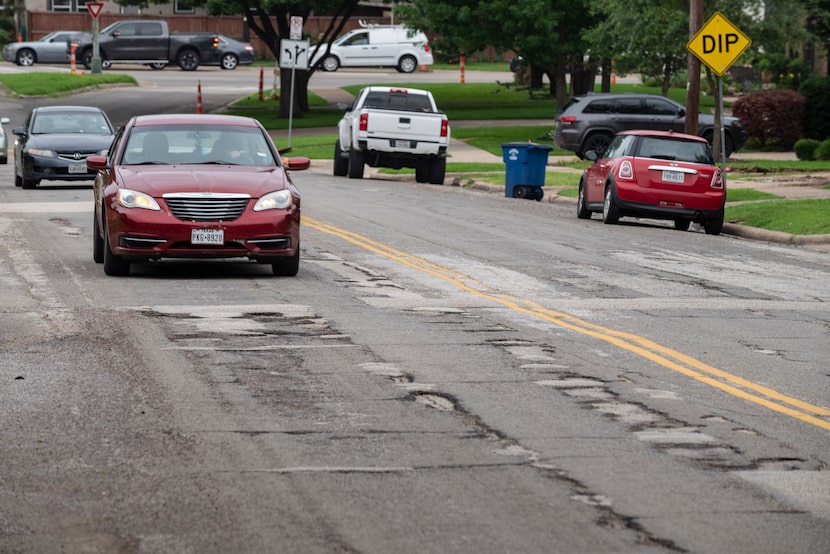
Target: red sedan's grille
<point>207,206</point>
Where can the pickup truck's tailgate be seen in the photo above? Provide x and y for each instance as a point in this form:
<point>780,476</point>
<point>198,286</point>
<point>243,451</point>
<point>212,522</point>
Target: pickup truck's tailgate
<point>405,127</point>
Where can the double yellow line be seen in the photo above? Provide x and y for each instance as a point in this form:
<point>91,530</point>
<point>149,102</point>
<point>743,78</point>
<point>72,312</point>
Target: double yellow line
<point>641,346</point>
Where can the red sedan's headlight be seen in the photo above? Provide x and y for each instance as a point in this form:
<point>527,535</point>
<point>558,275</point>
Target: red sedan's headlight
<point>133,199</point>
<point>278,200</point>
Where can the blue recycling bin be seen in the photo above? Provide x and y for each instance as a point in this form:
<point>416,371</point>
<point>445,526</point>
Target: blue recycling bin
<point>525,173</point>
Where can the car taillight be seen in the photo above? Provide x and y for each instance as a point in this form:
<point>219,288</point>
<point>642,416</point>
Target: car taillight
<point>426,48</point>
<point>717,180</point>
<point>567,119</point>
<point>445,127</point>
<point>364,122</point>
<point>626,171</point>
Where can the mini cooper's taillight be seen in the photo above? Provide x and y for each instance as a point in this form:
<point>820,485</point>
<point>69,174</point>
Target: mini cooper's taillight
<point>626,171</point>
<point>717,180</point>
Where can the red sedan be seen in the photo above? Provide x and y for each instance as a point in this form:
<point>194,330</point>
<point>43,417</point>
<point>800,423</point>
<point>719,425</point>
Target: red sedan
<point>195,186</point>
<point>654,174</point>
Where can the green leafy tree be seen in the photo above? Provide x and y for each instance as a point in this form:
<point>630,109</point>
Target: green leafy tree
<point>270,20</point>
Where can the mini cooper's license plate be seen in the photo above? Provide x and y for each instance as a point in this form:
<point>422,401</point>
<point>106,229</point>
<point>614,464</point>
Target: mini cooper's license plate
<point>672,177</point>
<point>207,236</point>
<point>77,168</point>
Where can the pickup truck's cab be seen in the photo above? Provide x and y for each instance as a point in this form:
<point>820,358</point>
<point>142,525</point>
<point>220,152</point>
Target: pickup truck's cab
<point>393,127</point>
<point>145,41</point>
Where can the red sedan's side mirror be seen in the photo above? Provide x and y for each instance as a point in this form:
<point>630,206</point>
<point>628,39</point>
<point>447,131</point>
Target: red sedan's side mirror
<point>96,163</point>
<point>297,163</point>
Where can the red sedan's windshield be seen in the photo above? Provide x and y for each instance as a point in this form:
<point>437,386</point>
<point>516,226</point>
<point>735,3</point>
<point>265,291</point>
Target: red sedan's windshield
<point>197,144</point>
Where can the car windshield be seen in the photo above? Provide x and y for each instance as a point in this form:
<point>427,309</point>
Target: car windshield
<point>90,123</point>
<point>197,144</point>
<point>677,150</point>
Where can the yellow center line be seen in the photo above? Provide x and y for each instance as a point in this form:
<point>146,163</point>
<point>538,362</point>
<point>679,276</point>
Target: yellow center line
<point>641,346</point>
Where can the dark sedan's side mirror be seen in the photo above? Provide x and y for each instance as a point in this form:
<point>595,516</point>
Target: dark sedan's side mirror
<point>592,155</point>
<point>681,112</point>
<point>19,131</point>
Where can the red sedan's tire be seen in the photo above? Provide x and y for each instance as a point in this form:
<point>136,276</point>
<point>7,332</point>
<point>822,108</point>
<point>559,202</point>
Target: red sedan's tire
<point>287,267</point>
<point>114,266</point>
<point>97,242</point>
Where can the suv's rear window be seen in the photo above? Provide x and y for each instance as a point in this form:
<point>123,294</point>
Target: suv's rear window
<point>599,106</point>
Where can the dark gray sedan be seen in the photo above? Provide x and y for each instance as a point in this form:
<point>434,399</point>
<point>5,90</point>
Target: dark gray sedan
<point>49,49</point>
<point>55,142</point>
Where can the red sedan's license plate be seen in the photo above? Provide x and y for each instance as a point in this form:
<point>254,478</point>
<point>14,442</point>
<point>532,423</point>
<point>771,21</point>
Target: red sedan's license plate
<point>672,177</point>
<point>207,236</point>
<point>77,168</point>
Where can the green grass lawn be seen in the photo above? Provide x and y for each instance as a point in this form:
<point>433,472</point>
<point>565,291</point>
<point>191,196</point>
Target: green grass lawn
<point>56,84</point>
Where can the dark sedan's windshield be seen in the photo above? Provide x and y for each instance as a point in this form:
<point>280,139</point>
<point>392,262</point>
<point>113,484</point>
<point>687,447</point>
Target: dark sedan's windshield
<point>71,122</point>
<point>197,144</point>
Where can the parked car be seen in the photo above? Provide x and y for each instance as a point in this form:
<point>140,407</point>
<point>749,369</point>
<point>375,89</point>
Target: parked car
<point>49,49</point>
<point>55,141</point>
<point>225,52</point>
<point>376,46</point>
<point>195,186</point>
<point>654,174</point>
<point>589,122</point>
<point>4,141</point>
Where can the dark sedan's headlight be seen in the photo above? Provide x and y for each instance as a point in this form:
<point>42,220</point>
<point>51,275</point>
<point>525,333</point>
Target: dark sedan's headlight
<point>278,200</point>
<point>41,152</point>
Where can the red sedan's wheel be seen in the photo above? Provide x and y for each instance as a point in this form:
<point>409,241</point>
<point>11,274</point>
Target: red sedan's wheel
<point>287,267</point>
<point>97,242</point>
<point>114,266</point>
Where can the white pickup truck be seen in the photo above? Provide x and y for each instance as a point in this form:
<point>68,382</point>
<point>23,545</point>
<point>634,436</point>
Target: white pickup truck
<point>393,127</point>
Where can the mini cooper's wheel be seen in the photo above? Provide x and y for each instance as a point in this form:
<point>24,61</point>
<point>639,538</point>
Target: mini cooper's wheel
<point>189,60</point>
<point>714,225</point>
<point>610,212</point>
<point>114,266</point>
<point>330,63</point>
<point>229,61</point>
<point>287,267</point>
<point>25,57</point>
<point>356,162</point>
<point>682,224</point>
<point>97,242</point>
<point>341,163</point>
<point>407,64</point>
<point>581,211</point>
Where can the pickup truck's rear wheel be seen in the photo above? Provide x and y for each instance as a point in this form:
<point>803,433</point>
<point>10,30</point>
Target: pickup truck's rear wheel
<point>228,61</point>
<point>341,163</point>
<point>188,60</point>
<point>356,161</point>
<point>330,63</point>
<point>407,64</point>
<point>437,170</point>
<point>422,171</point>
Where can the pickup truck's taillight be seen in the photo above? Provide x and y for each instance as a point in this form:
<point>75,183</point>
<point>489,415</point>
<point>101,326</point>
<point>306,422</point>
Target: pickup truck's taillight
<point>445,127</point>
<point>364,122</point>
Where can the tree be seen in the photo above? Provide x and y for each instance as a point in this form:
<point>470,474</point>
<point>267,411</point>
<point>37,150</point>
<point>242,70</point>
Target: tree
<point>270,20</point>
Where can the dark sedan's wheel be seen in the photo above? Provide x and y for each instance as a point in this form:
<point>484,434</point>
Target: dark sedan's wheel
<point>407,64</point>
<point>97,242</point>
<point>25,57</point>
<point>598,142</point>
<point>581,211</point>
<point>188,60</point>
<point>356,162</point>
<point>29,183</point>
<point>86,58</point>
<point>330,63</point>
<point>610,212</point>
<point>437,170</point>
<point>714,226</point>
<point>287,267</point>
<point>114,266</point>
<point>229,61</point>
<point>341,163</point>
<point>682,224</point>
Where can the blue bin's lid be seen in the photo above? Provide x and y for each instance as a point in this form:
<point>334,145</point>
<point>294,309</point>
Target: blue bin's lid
<point>526,145</point>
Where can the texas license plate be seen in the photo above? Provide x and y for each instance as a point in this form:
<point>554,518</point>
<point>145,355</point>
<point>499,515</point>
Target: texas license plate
<point>207,236</point>
<point>672,177</point>
<point>402,144</point>
<point>77,168</point>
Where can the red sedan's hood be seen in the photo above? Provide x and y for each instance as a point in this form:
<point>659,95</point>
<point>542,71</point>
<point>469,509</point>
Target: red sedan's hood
<point>159,180</point>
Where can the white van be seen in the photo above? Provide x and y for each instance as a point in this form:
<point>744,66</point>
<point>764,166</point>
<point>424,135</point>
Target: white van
<point>377,46</point>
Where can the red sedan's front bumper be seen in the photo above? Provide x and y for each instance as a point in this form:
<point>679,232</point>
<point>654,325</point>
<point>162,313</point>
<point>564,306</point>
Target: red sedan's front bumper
<point>140,234</point>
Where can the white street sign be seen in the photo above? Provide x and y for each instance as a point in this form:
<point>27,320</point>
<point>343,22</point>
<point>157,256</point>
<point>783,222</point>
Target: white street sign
<point>294,54</point>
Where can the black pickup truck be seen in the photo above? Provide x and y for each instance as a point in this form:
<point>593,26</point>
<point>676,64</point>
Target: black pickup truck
<point>149,42</point>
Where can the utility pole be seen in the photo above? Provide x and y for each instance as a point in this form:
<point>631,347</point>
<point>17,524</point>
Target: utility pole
<point>693,82</point>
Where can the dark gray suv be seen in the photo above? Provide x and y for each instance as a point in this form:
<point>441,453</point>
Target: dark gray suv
<point>589,122</point>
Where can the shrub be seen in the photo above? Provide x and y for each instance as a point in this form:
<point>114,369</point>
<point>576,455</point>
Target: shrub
<point>773,116</point>
<point>823,150</point>
<point>816,91</point>
<point>805,149</point>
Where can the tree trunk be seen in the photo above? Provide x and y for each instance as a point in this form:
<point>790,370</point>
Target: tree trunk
<point>300,93</point>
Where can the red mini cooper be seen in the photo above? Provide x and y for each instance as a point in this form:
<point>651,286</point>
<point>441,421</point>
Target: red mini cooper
<point>654,174</point>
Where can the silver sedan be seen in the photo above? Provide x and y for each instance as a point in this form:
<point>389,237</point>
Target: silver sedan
<point>49,49</point>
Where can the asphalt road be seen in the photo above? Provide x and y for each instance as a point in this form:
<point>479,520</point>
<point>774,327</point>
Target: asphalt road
<point>450,371</point>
